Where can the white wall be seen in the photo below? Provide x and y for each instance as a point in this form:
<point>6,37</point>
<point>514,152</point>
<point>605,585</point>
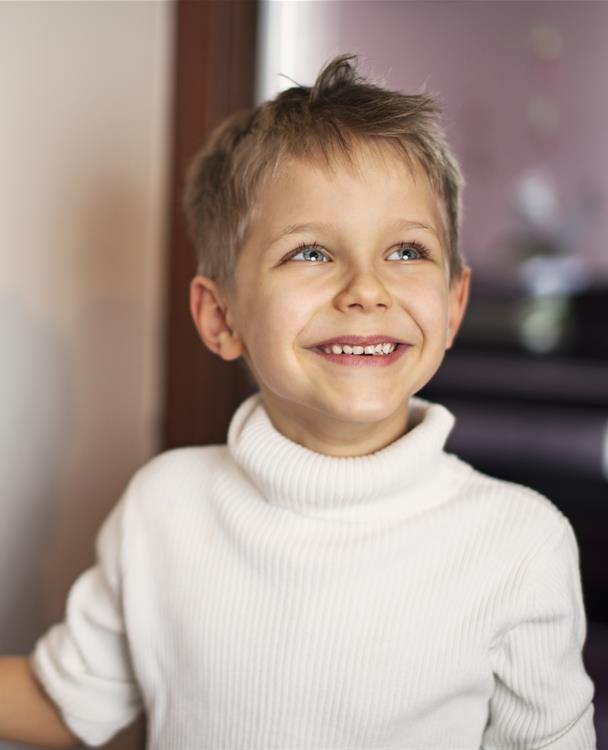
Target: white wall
<point>295,37</point>
<point>84,146</point>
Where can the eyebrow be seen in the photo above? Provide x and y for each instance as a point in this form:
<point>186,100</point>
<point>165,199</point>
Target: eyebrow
<point>318,225</point>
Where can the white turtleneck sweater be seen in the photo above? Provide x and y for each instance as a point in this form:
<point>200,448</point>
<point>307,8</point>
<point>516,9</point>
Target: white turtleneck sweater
<point>261,596</point>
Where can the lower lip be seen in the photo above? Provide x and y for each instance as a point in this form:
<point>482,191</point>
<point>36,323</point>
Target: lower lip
<point>364,360</point>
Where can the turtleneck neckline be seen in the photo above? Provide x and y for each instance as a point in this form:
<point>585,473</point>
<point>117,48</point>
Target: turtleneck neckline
<point>294,477</point>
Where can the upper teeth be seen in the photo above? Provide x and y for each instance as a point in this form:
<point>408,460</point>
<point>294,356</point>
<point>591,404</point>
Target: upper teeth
<point>346,349</point>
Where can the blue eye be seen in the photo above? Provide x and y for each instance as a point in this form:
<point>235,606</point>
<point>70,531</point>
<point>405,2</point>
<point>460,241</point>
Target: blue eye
<point>412,248</point>
<point>307,248</point>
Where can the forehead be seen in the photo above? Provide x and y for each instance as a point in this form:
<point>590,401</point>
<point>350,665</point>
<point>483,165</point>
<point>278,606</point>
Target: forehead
<point>376,184</point>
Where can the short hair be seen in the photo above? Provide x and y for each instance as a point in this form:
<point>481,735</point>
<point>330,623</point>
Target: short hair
<point>340,111</point>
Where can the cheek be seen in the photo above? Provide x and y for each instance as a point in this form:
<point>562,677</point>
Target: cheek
<point>426,306</point>
<point>275,323</point>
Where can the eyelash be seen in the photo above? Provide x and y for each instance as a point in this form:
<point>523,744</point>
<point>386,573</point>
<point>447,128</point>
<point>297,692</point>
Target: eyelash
<point>418,246</point>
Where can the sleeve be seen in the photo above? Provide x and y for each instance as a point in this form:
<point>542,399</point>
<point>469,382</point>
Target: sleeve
<point>542,693</point>
<point>84,662</point>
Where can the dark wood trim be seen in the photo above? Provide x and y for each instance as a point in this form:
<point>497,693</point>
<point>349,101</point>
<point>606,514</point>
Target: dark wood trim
<point>214,76</point>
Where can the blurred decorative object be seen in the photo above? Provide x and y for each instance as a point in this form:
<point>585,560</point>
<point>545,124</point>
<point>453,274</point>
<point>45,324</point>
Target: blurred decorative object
<point>542,115</point>
<point>547,271</point>
<point>511,320</point>
<point>543,323</point>
<point>536,199</point>
<point>548,304</point>
<point>545,41</point>
<point>564,274</point>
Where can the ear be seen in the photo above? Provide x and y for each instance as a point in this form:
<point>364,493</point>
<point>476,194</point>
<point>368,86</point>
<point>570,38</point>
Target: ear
<point>213,320</point>
<point>457,304</point>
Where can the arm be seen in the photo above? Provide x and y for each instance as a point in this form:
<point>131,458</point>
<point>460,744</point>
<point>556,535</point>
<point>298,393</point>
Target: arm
<point>27,715</point>
<point>84,663</point>
<point>542,693</point>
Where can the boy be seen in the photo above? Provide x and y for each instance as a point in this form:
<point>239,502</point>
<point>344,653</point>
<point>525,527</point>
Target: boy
<point>330,578</point>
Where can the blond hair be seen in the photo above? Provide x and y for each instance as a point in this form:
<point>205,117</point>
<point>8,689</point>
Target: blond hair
<point>325,121</point>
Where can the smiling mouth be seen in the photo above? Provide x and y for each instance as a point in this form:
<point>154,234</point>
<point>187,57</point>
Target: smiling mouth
<point>358,350</point>
<point>362,359</point>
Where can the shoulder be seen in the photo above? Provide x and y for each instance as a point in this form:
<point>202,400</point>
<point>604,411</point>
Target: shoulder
<point>175,476</point>
<point>180,464</point>
<point>513,515</point>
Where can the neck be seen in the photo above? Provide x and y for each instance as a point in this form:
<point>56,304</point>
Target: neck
<point>332,436</point>
<point>403,476</point>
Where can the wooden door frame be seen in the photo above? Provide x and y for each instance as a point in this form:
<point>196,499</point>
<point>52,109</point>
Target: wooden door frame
<point>215,57</point>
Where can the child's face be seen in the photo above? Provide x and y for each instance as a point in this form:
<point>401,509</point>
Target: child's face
<point>356,282</point>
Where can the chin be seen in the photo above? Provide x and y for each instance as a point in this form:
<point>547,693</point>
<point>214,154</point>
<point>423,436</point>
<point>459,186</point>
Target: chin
<point>366,411</point>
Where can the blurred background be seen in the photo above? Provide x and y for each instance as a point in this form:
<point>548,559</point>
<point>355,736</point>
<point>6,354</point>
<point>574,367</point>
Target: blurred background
<point>103,105</point>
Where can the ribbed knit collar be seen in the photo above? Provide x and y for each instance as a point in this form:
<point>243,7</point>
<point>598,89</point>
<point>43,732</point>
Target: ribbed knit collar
<point>289,475</point>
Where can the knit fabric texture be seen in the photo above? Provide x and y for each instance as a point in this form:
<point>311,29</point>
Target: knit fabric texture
<point>257,595</point>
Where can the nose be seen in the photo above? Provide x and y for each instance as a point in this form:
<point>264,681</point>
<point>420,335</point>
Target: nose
<point>364,290</point>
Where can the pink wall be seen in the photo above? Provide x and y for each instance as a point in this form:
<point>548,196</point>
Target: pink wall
<point>477,56</point>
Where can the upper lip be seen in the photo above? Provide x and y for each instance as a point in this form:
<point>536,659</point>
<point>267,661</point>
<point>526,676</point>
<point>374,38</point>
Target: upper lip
<point>360,340</point>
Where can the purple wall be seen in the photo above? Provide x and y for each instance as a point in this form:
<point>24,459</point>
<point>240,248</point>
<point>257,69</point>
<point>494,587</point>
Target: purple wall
<point>510,104</point>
